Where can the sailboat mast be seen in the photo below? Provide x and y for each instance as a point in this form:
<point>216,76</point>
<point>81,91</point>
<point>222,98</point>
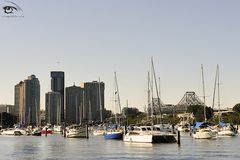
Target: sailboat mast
<point>159,86</point>
<point>214,91</point>
<point>90,112</point>
<point>58,110</point>
<point>36,112</point>
<point>76,110</point>
<point>219,118</point>
<point>100,100</point>
<point>204,97</point>
<point>158,99</point>
<point>151,92</point>
<point>148,96</point>
<point>117,92</point>
<point>83,107</point>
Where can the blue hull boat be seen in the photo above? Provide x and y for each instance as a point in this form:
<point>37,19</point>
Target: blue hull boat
<point>113,135</point>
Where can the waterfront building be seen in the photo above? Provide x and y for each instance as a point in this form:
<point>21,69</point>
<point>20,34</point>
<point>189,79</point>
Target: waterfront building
<point>94,101</point>
<point>57,85</point>
<point>74,105</point>
<point>8,109</point>
<point>27,100</point>
<point>53,108</point>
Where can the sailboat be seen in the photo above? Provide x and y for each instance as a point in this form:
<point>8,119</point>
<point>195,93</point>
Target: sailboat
<point>150,134</point>
<point>225,129</point>
<point>114,132</point>
<point>77,130</point>
<point>202,130</point>
<point>99,130</point>
<point>58,128</point>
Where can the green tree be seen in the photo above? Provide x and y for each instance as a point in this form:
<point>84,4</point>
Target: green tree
<point>236,108</point>
<point>198,112</point>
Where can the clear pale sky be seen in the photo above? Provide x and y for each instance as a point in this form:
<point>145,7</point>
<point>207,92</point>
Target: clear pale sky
<point>93,38</point>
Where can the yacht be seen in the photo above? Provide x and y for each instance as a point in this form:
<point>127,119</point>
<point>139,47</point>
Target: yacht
<point>57,129</point>
<point>227,130</point>
<point>202,130</point>
<point>14,131</point>
<point>76,131</point>
<point>149,134</point>
<point>203,133</point>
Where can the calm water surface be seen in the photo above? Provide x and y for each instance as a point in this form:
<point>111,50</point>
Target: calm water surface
<point>57,147</point>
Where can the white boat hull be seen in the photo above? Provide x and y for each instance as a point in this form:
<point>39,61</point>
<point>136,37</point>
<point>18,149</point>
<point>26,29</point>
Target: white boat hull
<point>57,129</point>
<point>203,134</point>
<point>98,132</point>
<point>138,138</point>
<point>150,138</point>
<point>76,133</point>
<point>226,133</point>
<point>14,132</point>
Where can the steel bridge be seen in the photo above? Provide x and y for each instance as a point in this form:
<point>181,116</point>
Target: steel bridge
<point>189,98</point>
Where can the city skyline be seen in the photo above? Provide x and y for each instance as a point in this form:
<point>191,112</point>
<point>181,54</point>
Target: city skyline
<point>94,39</point>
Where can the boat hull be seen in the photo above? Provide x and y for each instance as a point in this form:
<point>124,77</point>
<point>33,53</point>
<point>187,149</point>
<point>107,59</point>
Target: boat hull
<point>48,132</point>
<point>117,135</point>
<point>14,132</point>
<point>226,133</point>
<point>98,133</point>
<point>76,135</point>
<point>150,138</point>
<point>37,134</point>
<point>203,135</point>
<point>79,132</point>
<point>57,129</point>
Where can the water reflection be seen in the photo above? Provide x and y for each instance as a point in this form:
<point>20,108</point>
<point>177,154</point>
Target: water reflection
<point>141,145</point>
<point>57,147</point>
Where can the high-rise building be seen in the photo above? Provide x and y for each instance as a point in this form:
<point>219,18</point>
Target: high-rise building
<point>27,100</point>
<point>53,108</point>
<point>18,100</point>
<point>94,101</point>
<point>57,85</point>
<point>74,105</point>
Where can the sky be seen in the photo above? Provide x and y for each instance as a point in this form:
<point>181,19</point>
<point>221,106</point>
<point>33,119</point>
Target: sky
<point>88,39</point>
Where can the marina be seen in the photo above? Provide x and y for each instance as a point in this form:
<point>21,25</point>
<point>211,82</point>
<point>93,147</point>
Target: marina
<point>96,147</point>
<point>120,80</point>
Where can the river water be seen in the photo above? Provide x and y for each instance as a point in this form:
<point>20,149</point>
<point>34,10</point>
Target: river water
<point>57,147</point>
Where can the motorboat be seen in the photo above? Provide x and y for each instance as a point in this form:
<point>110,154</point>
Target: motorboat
<point>148,134</point>
<point>76,131</point>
